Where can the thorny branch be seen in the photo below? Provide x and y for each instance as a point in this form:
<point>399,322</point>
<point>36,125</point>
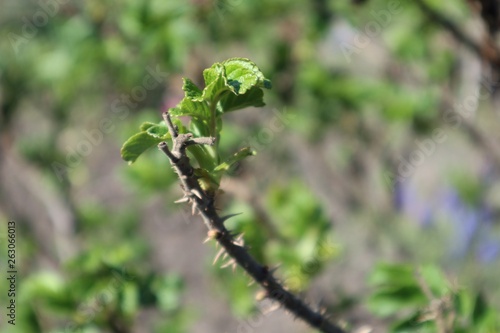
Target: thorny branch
<point>487,51</point>
<point>203,203</point>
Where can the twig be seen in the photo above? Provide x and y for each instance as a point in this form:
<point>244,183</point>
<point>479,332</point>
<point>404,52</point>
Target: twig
<point>449,25</point>
<point>438,307</point>
<point>486,52</point>
<point>203,203</point>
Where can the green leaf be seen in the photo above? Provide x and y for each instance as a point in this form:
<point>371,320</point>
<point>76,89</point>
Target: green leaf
<point>191,90</point>
<point>435,279</point>
<point>243,74</point>
<point>203,155</point>
<point>463,303</point>
<point>236,75</point>
<point>215,82</point>
<point>231,102</point>
<point>412,323</point>
<point>390,300</point>
<point>241,154</point>
<point>159,131</point>
<point>136,145</point>
<point>199,127</point>
<point>393,274</point>
<point>168,290</point>
<point>46,284</point>
<point>480,310</point>
<point>144,126</point>
<point>191,108</point>
<point>129,297</point>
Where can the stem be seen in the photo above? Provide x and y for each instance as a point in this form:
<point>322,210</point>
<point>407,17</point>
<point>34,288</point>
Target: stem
<point>203,203</point>
<point>213,106</point>
<point>213,110</point>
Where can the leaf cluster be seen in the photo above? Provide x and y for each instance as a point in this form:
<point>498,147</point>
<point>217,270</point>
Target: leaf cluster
<point>231,85</point>
<point>430,301</point>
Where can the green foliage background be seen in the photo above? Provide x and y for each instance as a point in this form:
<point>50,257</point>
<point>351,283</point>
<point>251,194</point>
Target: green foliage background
<point>102,248</point>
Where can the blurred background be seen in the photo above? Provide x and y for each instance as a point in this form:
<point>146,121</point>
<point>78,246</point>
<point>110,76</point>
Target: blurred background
<point>379,143</point>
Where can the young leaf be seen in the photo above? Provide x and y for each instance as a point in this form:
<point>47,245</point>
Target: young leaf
<point>159,131</point>
<point>235,158</point>
<point>231,102</point>
<point>244,74</point>
<point>199,127</point>
<point>205,179</point>
<point>129,299</point>
<point>435,279</point>
<point>393,274</point>
<point>191,90</point>
<point>215,82</point>
<point>144,126</point>
<point>136,145</point>
<point>191,108</point>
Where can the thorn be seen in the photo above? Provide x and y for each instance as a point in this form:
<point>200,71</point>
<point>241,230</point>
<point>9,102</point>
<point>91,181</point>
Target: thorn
<point>193,208</point>
<point>197,193</point>
<point>270,309</point>
<point>229,263</point>
<point>251,283</point>
<point>217,256</point>
<point>239,240</point>
<point>182,200</point>
<point>227,217</point>
<point>261,295</point>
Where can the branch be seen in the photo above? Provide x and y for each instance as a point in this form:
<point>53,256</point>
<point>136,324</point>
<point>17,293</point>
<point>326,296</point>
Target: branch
<point>486,52</point>
<point>438,308</point>
<point>203,203</point>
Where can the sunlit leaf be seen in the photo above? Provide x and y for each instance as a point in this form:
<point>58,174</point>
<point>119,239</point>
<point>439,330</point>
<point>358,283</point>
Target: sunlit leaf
<point>144,126</point>
<point>191,90</point>
<point>136,145</point>
<point>215,82</point>
<point>168,290</point>
<point>159,131</point>
<point>191,108</point>
<point>244,74</point>
<point>393,274</point>
<point>129,299</point>
<point>435,279</point>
